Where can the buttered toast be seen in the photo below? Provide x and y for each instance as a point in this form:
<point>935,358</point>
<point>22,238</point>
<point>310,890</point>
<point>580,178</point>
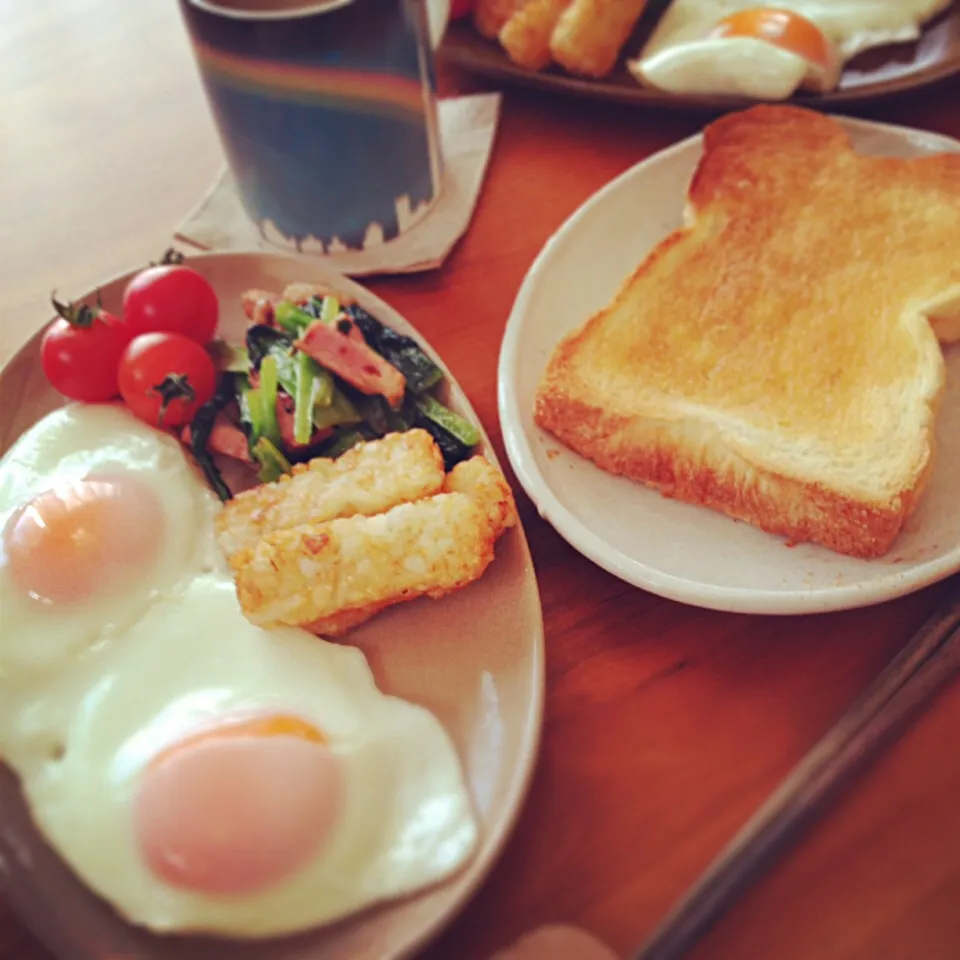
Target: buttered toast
<point>776,359</point>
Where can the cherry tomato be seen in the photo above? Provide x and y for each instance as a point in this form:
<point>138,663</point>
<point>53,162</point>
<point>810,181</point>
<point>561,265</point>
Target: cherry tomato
<point>165,378</point>
<point>461,8</point>
<point>171,298</point>
<point>80,352</point>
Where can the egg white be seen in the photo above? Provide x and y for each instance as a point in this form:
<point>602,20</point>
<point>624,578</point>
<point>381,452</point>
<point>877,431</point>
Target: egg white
<point>406,821</point>
<point>675,58</point>
<point>66,446</point>
<point>731,66</point>
<point>131,678</point>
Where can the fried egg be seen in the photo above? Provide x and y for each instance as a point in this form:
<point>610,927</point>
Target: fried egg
<point>739,47</point>
<point>99,513</point>
<point>200,773</point>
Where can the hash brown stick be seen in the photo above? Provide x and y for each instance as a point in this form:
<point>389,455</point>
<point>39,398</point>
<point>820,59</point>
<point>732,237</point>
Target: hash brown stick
<point>368,479</point>
<point>428,548</point>
<point>591,33</point>
<point>526,35</point>
<point>490,16</point>
<point>478,479</point>
<point>482,481</point>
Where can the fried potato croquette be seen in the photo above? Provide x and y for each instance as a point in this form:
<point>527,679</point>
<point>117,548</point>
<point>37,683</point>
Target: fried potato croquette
<point>369,479</point>
<point>349,565</point>
<point>526,35</point>
<point>489,16</point>
<point>483,482</point>
<point>337,541</point>
<point>478,479</point>
<point>591,33</point>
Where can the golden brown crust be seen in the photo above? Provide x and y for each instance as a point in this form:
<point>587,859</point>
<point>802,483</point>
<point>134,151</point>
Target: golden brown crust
<point>340,540</point>
<point>773,360</point>
<point>591,33</point>
<point>526,35</point>
<point>777,504</point>
<point>368,479</point>
<point>343,571</point>
<point>490,16</point>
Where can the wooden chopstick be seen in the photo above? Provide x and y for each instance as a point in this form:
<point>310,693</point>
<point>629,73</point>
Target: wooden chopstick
<point>930,659</point>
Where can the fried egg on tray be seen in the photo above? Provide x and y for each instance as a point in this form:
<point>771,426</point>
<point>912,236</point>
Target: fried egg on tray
<point>197,771</point>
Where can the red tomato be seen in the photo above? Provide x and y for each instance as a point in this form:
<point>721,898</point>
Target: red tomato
<point>461,8</point>
<point>80,352</point>
<point>171,298</point>
<point>165,378</point>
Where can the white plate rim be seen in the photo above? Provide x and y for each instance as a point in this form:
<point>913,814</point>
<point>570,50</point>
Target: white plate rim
<point>846,596</point>
<point>490,852</point>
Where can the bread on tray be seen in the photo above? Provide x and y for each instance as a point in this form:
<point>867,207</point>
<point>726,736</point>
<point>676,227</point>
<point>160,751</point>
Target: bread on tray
<point>774,359</point>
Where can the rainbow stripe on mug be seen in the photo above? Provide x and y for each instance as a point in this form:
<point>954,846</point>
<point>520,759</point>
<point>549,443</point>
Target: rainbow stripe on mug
<point>366,91</point>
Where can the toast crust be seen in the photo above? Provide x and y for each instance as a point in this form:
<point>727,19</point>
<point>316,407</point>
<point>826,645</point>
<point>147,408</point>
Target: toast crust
<point>659,455</point>
<point>774,359</point>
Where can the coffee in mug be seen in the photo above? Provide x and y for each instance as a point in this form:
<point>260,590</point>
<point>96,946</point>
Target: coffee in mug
<point>327,113</point>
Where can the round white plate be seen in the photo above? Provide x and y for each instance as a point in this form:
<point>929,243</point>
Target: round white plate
<point>679,551</point>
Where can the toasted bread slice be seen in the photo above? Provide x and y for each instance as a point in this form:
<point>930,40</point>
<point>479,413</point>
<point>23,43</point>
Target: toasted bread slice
<point>773,359</point>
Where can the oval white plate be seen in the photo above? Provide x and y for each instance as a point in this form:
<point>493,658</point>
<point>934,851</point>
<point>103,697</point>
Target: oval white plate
<point>475,659</point>
<point>673,549</point>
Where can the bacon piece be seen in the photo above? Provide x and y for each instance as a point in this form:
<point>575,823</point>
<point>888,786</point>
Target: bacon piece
<point>354,361</point>
<point>349,329</point>
<point>225,437</point>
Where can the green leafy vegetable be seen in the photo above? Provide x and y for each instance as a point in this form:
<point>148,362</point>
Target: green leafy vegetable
<point>420,372</point>
<point>458,427</point>
<point>292,318</point>
<point>261,339</point>
<point>270,428</point>
<point>286,366</point>
<point>323,388</point>
<point>330,310</point>
<point>340,411</point>
<point>452,449</point>
<point>200,429</point>
<point>251,412</point>
<point>373,410</point>
<point>228,358</point>
<point>321,401</point>
<point>303,400</point>
<point>246,411</point>
<point>396,422</point>
<point>273,464</point>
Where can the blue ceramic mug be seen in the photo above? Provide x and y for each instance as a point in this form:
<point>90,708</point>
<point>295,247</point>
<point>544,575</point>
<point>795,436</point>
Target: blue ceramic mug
<point>327,113</point>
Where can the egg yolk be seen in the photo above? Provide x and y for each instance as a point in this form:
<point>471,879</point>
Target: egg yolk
<point>238,808</point>
<point>78,539</point>
<point>784,29</point>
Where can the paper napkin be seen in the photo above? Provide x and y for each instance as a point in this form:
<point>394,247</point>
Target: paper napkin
<point>468,126</point>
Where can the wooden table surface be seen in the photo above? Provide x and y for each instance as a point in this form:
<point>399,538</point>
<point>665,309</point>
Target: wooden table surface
<point>665,725</point>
